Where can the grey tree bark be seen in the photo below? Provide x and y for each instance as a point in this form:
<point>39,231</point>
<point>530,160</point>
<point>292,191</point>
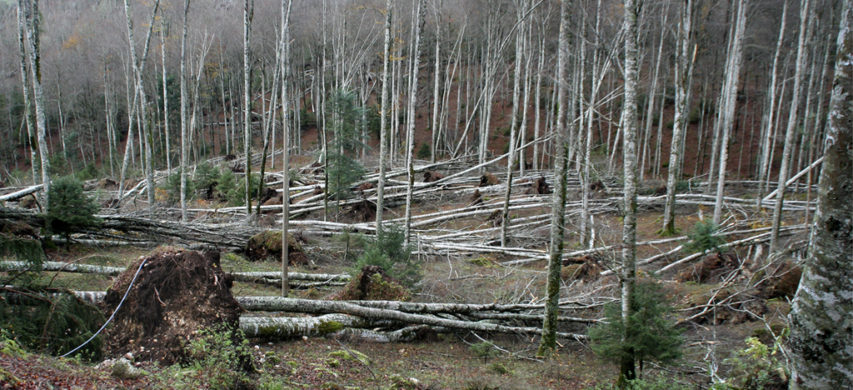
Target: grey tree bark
<point>516,85</point>
<point>822,311</point>
<point>791,129</point>
<point>30,17</point>
<point>629,166</point>
<point>683,67</point>
<point>410,125</point>
<point>184,124</point>
<point>729,99</point>
<point>768,120</point>
<point>284,47</point>
<point>248,11</point>
<point>558,205</point>
<point>383,119</point>
<point>138,65</point>
<point>25,84</point>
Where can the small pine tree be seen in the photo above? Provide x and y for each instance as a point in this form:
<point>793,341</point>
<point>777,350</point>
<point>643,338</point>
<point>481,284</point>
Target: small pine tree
<point>703,238</point>
<point>651,335</point>
<point>389,252</point>
<point>70,209</point>
<point>344,170</point>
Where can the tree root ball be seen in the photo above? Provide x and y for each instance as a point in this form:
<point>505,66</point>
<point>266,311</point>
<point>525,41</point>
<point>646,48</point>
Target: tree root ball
<point>712,269</point>
<point>488,179</point>
<point>373,284</point>
<point>176,294</point>
<point>267,245</point>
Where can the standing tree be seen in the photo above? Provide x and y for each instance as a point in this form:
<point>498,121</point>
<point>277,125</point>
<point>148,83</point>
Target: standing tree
<point>788,146</point>
<point>728,97</point>
<point>629,205</point>
<point>28,14</point>
<point>284,48</point>
<point>25,83</point>
<point>248,12</point>
<point>410,124</point>
<point>383,122</point>
<point>822,312</point>
<point>683,70</point>
<point>184,124</point>
<point>138,65</point>
<point>558,204</point>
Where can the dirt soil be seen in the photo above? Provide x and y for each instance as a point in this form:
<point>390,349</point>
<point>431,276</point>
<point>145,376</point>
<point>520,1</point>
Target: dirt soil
<point>176,293</point>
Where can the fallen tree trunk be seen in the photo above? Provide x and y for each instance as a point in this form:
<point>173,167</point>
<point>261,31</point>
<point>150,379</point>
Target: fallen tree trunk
<point>272,277</point>
<point>21,193</point>
<point>231,235</point>
<point>324,307</point>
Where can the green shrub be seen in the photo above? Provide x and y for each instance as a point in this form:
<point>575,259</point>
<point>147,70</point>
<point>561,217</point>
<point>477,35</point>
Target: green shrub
<point>484,350</point>
<point>173,188</point>
<point>69,208</point>
<point>221,358</point>
<point>651,334</point>
<point>206,175</point>
<point>344,120</point>
<point>757,367</point>
<point>424,151</point>
<point>344,171</point>
<point>50,321</point>
<point>702,238</point>
<point>388,251</point>
<point>89,172</point>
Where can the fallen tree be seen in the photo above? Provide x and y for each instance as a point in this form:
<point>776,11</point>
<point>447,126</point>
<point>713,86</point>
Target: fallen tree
<point>272,277</point>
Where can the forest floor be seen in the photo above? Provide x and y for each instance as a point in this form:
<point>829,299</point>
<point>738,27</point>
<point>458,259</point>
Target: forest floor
<point>453,359</point>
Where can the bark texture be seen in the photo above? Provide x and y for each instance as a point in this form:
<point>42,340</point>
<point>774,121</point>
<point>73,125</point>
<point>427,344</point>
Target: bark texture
<point>821,339</point>
<point>629,147</point>
<point>558,215</point>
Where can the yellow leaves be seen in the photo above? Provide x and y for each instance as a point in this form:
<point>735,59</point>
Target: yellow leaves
<point>72,41</point>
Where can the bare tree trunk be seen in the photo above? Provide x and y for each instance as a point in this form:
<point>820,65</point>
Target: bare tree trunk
<point>184,124</point>
<point>29,15</point>
<point>284,47</point>
<point>383,119</point>
<point>729,97</point>
<point>820,315</point>
<point>558,206</point>
<point>166,100</point>
<point>767,140</point>
<point>248,11</point>
<point>138,67</point>
<point>513,126</point>
<point>806,23</point>
<point>25,84</point>
<point>436,130</point>
<point>629,206</point>
<point>537,100</point>
<point>682,66</point>
<point>413,97</point>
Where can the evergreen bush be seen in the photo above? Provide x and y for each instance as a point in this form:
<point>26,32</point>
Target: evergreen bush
<point>702,238</point>
<point>651,333</point>
<point>69,209</point>
<point>389,252</point>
